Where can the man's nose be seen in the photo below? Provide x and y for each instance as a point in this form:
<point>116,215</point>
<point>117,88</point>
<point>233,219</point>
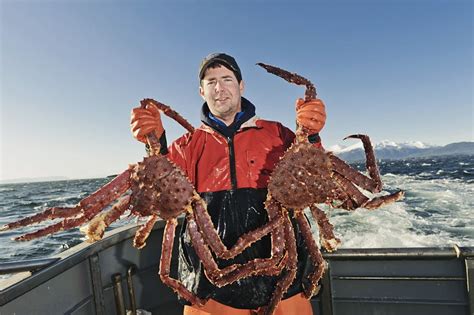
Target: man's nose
<point>218,86</point>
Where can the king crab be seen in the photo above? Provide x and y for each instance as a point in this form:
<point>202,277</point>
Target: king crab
<point>306,176</point>
<point>159,189</point>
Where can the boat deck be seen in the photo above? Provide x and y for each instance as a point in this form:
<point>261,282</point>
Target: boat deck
<point>111,277</point>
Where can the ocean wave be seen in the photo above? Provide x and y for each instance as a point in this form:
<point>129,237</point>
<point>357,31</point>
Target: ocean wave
<point>28,203</point>
<point>66,198</point>
<point>434,212</point>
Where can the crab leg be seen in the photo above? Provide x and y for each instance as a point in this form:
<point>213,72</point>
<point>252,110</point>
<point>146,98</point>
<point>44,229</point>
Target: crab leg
<point>144,231</point>
<point>60,226</point>
<point>290,269</point>
<point>168,112</point>
<point>310,92</point>
<point>257,267</point>
<point>314,253</point>
<point>292,78</point>
<point>165,265</point>
<point>204,253</point>
<point>212,238</point>
<point>229,274</point>
<point>355,198</point>
<point>370,161</point>
<point>92,234</point>
<point>353,175</point>
<point>278,235</point>
<point>88,206</point>
<point>326,230</point>
<point>271,266</point>
<point>384,200</point>
<point>96,228</point>
<point>48,214</point>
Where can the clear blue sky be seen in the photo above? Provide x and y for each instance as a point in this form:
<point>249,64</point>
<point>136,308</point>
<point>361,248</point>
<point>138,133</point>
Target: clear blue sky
<point>71,71</point>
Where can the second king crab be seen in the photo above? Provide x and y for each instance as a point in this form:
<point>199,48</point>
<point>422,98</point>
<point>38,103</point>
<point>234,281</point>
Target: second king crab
<point>305,176</point>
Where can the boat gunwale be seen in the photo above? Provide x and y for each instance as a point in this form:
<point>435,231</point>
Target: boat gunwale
<point>68,259</point>
<point>83,251</point>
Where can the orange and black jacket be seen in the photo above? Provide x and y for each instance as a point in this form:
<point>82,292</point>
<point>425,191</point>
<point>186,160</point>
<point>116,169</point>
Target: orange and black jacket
<point>230,167</point>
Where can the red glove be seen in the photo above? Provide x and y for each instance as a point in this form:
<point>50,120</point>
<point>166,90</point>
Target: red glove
<point>311,115</point>
<point>146,120</point>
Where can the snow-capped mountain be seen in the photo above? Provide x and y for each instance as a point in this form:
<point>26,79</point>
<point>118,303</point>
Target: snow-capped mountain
<point>390,150</point>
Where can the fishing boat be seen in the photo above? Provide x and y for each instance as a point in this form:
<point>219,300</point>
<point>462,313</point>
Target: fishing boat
<point>112,277</point>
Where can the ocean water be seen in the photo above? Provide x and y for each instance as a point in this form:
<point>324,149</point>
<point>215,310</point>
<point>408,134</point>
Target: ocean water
<point>437,209</point>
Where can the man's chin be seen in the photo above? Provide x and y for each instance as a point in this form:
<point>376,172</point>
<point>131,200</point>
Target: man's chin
<point>223,107</point>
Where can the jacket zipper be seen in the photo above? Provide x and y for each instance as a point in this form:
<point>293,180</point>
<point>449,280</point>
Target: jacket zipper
<point>233,172</point>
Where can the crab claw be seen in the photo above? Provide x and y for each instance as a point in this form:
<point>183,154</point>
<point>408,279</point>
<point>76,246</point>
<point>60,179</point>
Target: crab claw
<point>295,78</point>
<point>370,160</point>
<point>357,136</point>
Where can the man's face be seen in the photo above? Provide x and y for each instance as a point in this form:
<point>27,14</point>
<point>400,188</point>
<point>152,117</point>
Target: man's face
<point>222,92</point>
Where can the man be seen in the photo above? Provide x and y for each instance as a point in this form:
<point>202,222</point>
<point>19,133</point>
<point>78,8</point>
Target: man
<point>229,159</point>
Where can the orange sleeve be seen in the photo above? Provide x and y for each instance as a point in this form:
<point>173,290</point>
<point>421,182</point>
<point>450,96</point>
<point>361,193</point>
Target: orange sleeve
<point>177,153</point>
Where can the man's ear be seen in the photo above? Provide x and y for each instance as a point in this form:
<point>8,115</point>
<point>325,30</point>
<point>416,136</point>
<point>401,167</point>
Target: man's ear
<point>201,92</point>
<point>242,87</point>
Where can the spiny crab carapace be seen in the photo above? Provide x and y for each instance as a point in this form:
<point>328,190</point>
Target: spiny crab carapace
<point>305,176</point>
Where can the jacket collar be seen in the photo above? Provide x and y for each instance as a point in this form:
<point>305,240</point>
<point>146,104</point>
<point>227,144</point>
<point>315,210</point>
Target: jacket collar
<point>246,118</point>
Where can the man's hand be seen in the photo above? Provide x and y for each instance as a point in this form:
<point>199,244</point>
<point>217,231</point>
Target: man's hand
<point>146,120</point>
<point>311,115</point>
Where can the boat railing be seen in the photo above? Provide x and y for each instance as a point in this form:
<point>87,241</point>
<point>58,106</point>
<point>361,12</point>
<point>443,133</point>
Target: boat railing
<point>32,265</point>
<point>363,278</point>
<point>26,265</point>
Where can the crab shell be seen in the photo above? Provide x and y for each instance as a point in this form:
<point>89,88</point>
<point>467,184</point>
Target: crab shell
<point>303,177</point>
<point>159,187</point>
